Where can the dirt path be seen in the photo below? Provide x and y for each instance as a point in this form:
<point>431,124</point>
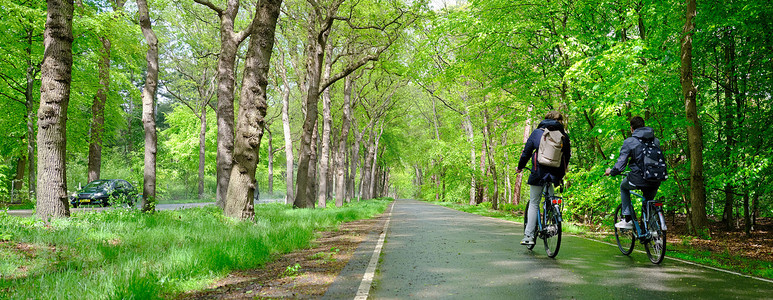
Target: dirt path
<point>305,274</point>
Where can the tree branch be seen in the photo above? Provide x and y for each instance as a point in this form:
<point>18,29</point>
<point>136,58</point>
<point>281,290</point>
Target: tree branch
<point>206,3</point>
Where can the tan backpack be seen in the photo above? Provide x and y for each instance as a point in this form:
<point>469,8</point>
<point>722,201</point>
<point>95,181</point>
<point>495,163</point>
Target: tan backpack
<point>550,146</point>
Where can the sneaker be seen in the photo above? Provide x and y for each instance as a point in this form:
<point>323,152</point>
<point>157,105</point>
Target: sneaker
<point>526,241</point>
<point>623,224</point>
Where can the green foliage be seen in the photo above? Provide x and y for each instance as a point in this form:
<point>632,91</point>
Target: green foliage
<point>292,271</point>
<point>128,254</point>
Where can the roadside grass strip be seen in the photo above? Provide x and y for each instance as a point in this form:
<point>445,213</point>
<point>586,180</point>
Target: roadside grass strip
<point>127,254</point>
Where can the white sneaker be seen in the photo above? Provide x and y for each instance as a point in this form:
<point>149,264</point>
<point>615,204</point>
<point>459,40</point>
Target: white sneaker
<point>623,224</point>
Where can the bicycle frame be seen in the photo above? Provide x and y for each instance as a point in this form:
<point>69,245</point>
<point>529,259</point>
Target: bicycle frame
<point>556,201</point>
<point>646,210</point>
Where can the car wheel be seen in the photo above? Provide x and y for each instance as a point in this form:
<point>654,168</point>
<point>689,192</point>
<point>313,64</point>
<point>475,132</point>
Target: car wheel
<point>75,205</point>
<point>105,203</point>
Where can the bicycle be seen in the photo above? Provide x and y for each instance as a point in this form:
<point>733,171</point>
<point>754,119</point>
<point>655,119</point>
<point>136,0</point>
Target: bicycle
<point>548,221</point>
<point>651,233</point>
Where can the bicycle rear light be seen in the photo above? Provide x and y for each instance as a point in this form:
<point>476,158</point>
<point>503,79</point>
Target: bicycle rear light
<point>658,203</point>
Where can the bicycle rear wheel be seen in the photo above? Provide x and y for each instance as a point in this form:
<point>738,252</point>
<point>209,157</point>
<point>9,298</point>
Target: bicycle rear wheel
<point>525,221</point>
<point>625,237</point>
<point>656,246</point>
<point>552,233</point>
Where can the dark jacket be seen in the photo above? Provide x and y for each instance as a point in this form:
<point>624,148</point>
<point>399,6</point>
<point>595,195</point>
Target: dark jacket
<point>630,152</point>
<point>541,173</point>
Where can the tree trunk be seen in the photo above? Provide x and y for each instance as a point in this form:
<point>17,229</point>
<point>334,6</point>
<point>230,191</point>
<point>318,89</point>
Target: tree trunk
<point>31,140</point>
<point>694,131</point>
<point>288,139</point>
<point>746,216</point>
<point>327,123</point>
<point>340,159</point>
<point>202,148</point>
<point>18,180</point>
<point>252,112</point>
<point>98,112</point>
<point>270,161</point>
<point>226,71</point>
<point>29,103</point>
<point>313,159</point>
<point>315,49</point>
<point>366,169</point>
<point>467,124</point>
<point>727,213</point>
<point>755,209</point>
<point>490,155</point>
<point>480,195</point>
<point>374,166</point>
<point>56,76</point>
<point>149,108</point>
<point>509,189</point>
<point>729,49</point>
<point>519,177</point>
<point>354,165</point>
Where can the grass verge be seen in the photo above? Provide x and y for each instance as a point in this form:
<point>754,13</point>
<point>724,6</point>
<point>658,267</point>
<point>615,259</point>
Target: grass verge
<point>125,254</point>
<point>724,260</point>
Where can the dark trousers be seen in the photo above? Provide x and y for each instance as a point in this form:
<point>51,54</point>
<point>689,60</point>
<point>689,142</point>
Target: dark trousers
<point>648,192</point>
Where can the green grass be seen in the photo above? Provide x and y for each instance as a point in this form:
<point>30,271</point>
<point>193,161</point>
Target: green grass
<point>30,205</point>
<point>683,251</point>
<point>25,205</point>
<point>125,254</point>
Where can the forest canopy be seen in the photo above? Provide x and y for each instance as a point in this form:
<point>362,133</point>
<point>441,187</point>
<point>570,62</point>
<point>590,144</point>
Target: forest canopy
<point>346,100</point>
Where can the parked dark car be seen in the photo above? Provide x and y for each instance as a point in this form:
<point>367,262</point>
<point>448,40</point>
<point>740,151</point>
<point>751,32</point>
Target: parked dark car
<point>105,191</point>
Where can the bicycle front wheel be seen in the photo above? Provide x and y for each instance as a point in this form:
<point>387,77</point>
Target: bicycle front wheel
<point>625,237</point>
<point>525,222</point>
<point>656,245</point>
<point>552,232</point>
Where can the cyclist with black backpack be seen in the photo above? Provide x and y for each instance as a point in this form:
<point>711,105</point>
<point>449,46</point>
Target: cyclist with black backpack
<point>648,167</point>
<point>548,148</point>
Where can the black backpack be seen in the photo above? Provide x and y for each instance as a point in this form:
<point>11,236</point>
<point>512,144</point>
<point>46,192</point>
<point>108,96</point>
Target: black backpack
<point>652,162</point>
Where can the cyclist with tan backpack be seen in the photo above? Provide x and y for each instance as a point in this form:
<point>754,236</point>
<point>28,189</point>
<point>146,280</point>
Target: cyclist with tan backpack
<point>549,150</point>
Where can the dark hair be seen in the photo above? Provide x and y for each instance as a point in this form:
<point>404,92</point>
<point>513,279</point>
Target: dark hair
<point>554,115</point>
<point>637,122</point>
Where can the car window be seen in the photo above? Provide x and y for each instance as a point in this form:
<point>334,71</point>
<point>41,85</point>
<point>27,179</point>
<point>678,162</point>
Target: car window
<point>123,185</point>
<point>98,184</point>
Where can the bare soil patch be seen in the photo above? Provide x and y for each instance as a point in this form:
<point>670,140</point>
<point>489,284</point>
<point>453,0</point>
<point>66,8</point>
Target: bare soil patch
<point>758,245</point>
<point>303,274</point>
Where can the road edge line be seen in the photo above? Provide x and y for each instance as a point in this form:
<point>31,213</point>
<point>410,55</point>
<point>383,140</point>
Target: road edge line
<point>367,278</point>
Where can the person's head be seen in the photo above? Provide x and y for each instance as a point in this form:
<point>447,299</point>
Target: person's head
<point>637,122</point>
<point>554,115</point>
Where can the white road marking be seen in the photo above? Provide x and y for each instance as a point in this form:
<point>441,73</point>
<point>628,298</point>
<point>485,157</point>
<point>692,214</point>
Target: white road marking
<point>367,278</point>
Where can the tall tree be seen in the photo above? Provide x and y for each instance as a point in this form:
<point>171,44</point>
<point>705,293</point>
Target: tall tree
<point>98,106</point>
<point>229,46</point>
<point>319,29</point>
<point>327,123</point>
<point>288,139</point>
<point>205,90</point>
<point>252,111</point>
<point>24,23</point>
<point>694,131</point>
<point>149,108</point>
<point>56,77</point>
<point>340,154</point>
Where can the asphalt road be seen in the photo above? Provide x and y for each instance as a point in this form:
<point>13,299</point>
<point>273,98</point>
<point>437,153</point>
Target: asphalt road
<point>440,253</point>
<point>28,212</point>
